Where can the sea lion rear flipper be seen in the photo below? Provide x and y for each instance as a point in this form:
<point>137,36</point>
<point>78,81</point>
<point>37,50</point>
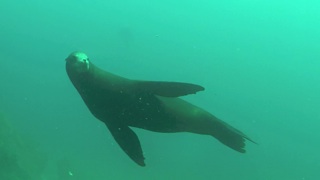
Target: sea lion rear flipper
<point>129,142</point>
<point>169,89</point>
<point>232,137</point>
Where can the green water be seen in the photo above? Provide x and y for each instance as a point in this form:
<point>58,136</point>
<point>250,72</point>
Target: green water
<point>258,60</point>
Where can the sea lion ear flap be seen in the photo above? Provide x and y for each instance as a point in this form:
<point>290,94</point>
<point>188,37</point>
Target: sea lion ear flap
<point>128,141</point>
<point>169,89</point>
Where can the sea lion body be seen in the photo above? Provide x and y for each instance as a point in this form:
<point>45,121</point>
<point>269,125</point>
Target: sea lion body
<point>122,103</point>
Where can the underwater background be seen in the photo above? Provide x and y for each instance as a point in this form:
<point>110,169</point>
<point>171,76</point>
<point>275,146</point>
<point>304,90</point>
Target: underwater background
<point>258,60</point>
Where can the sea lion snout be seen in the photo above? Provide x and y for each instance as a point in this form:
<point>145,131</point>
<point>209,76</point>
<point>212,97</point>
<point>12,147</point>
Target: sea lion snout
<point>79,61</point>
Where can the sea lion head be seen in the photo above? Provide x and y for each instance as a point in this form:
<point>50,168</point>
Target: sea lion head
<point>78,61</point>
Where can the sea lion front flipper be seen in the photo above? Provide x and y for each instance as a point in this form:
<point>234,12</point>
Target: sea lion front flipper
<point>128,141</point>
<point>169,89</point>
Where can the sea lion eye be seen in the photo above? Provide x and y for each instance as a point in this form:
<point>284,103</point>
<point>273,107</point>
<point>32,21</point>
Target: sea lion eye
<point>71,60</point>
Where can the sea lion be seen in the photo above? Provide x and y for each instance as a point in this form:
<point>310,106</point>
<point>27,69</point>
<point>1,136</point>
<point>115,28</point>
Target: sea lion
<point>122,103</point>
